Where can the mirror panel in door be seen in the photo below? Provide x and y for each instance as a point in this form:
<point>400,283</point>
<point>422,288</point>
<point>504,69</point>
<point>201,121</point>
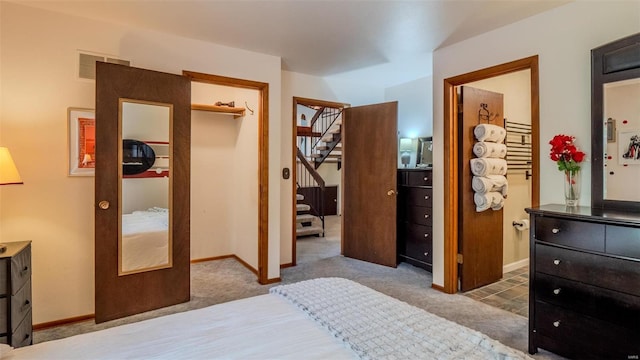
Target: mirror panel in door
<point>145,187</point>
<point>621,140</point>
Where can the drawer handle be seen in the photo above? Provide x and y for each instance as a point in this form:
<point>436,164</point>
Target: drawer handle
<point>426,197</point>
<point>426,235</point>
<point>426,216</point>
<point>556,262</point>
<point>24,271</point>
<point>426,178</point>
<point>555,230</point>
<point>556,323</point>
<point>426,254</point>
<point>556,291</point>
<point>25,305</point>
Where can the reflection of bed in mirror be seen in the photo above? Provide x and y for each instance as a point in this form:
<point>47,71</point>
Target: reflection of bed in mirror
<point>145,239</point>
<point>325,318</point>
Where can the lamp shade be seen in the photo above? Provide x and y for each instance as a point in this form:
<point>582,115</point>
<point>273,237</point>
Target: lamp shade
<point>8,171</point>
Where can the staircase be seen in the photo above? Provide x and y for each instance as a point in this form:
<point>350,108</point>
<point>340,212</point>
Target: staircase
<point>322,140</point>
<point>307,224</point>
<point>318,143</point>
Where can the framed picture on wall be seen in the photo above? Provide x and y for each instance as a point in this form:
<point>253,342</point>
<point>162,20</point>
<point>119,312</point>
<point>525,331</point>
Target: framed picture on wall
<point>629,147</point>
<point>82,141</point>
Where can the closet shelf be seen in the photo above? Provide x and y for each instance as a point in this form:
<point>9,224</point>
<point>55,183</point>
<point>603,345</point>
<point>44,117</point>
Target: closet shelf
<point>235,111</point>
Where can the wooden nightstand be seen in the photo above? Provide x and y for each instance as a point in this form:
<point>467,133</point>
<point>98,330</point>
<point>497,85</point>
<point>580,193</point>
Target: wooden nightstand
<point>15,294</point>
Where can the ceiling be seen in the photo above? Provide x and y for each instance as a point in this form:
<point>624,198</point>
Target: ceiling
<point>319,38</point>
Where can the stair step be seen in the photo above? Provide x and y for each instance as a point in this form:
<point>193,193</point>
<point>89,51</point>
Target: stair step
<point>326,147</point>
<point>304,218</point>
<point>299,197</point>
<point>309,230</point>
<point>334,130</point>
<point>327,138</point>
<point>303,207</point>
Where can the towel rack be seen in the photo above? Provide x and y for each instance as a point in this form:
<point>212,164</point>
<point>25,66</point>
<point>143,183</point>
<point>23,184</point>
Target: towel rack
<point>518,141</point>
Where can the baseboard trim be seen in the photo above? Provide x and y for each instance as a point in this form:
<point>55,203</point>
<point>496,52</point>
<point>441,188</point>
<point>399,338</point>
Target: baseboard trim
<point>515,265</point>
<point>272,281</point>
<point>195,261</point>
<point>61,322</point>
<point>245,264</point>
<point>438,287</point>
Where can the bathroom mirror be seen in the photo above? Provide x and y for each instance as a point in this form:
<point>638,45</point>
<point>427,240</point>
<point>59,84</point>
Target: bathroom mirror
<point>615,131</point>
<point>145,189</point>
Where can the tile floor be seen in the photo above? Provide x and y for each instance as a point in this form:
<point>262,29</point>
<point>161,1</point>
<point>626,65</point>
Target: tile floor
<point>511,293</point>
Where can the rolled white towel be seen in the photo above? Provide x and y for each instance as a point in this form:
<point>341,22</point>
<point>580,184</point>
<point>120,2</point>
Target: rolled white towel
<point>488,166</point>
<point>489,132</point>
<point>497,201</point>
<point>483,201</point>
<point>483,149</point>
<point>484,184</point>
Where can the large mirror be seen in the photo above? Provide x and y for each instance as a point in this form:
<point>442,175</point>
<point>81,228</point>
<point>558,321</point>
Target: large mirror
<point>615,128</point>
<point>145,186</point>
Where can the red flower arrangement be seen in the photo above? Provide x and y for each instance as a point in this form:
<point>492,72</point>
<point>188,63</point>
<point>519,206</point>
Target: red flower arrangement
<point>565,153</point>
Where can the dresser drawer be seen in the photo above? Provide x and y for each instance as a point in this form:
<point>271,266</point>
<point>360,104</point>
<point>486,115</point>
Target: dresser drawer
<point>23,335</point>
<point>3,275</point>
<point>417,196</point>
<point>419,215</point>
<point>20,305</point>
<point>623,241</point>
<point>611,306</point>
<point>579,234</point>
<point>598,270</point>
<point>4,316</point>
<point>420,178</point>
<point>416,242</point>
<point>20,269</point>
<point>574,335</point>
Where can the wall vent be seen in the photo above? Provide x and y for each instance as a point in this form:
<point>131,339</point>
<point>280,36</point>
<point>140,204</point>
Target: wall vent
<point>87,63</point>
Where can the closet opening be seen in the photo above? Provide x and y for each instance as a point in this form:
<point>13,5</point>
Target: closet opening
<point>243,154</point>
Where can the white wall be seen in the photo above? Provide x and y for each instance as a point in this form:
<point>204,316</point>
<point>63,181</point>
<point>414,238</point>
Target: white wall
<point>39,82</point>
<point>415,107</point>
<point>563,38</point>
<point>516,88</point>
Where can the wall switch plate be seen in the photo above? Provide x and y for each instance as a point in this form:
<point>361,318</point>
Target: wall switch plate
<point>286,173</point>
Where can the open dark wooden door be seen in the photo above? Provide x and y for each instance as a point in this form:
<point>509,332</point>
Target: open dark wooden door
<point>370,153</point>
<point>480,233</point>
<point>120,292</point>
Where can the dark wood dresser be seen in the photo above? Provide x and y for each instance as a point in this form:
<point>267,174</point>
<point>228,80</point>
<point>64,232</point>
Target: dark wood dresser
<point>584,291</point>
<point>415,241</point>
<point>15,294</point>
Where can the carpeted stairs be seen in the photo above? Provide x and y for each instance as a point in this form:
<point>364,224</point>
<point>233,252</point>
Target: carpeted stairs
<point>307,224</point>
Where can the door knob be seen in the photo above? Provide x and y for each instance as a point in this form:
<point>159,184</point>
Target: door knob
<point>390,192</point>
<point>104,204</point>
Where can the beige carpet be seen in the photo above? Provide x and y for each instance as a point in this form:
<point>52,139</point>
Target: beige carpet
<point>225,280</point>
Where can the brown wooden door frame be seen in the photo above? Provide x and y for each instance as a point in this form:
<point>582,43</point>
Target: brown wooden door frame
<point>263,160</point>
<point>451,156</point>
<point>294,145</point>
